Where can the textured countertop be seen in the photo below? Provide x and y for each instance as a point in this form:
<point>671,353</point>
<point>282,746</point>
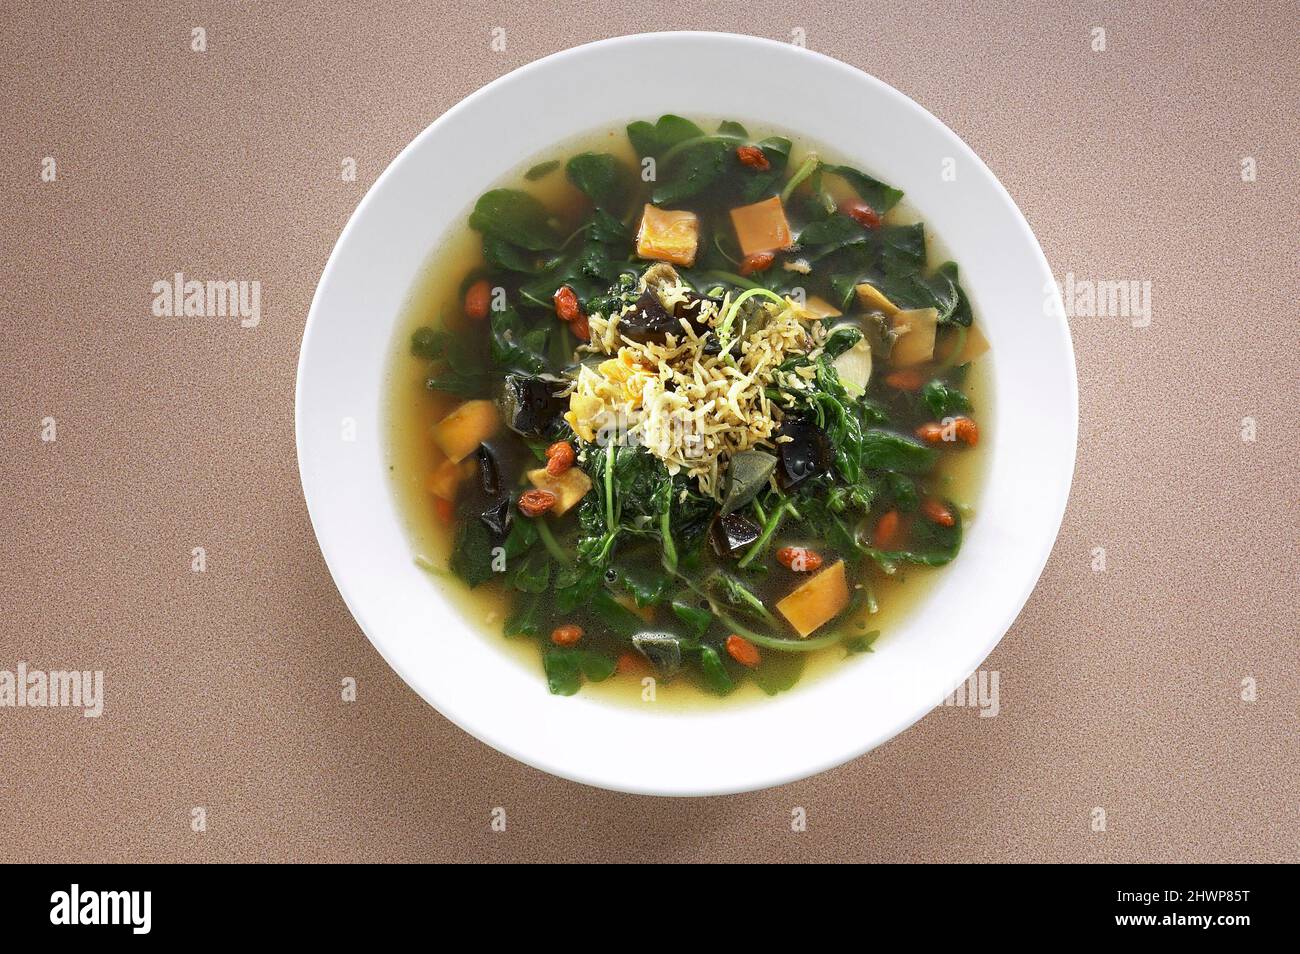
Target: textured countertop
<point>1120,689</point>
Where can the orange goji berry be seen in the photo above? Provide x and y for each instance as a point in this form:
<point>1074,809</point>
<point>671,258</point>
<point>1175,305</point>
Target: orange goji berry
<point>968,431</point>
<point>861,213</point>
<point>938,511</point>
<point>477,298</point>
<point>931,433</point>
<point>566,303</point>
<point>952,429</point>
<point>799,559</point>
<point>753,157</point>
<point>887,527</point>
<point>758,262</point>
<point>743,651</point>
<point>534,503</point>
<point>559,458</point>
<point>566,635</point>
<point>909,379</point>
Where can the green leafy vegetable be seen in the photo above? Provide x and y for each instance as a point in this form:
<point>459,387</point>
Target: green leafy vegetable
<point>906,286</point>
<point>741,598</point>
<point>610,230</point>
<point>533,574</point>
<point>713,673</point>
<point>944,400</point>
<point>457,367</point>
<point>930,543</point>
<point>757,185</point>
<point>523,534</point>
<point>601,177</point>
<point>507,257</point>
<point>566,667</point>
<point>657,138</point>
<point>589,268</point>
<point>696,168</point>
<point>471,557</point>
<point>875,193</point>
<point>526,620</point>
<point>831,234</point>
<point>632,491</point>
<point>515,346</point>
<point>899,492</point>
<point>902,248</point>
<point>542,170</point>
<point>885,450</point>
<point>841,340</point>
<point>696,619</point>
<point>779,672</point>
<point>428,343</point>
<point>646,586</point>
<point>516,217</point>
<point>618,618</point>
<point>860,644</point>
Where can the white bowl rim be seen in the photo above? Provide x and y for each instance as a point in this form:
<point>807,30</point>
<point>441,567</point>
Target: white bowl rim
<point>587,774</point>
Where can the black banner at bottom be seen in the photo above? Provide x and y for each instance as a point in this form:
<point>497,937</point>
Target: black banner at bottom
<point>138,903</point>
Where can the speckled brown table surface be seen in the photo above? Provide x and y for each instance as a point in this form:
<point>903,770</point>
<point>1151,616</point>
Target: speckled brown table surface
<point>1161,690</point>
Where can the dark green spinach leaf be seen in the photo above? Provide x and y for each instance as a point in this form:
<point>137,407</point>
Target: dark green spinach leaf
<point>655,139</point>
<point>713,673</point>
<point>885,450</point>
<point>929,543</point>
<point>696,619</point>
<point>471,557</point>
<point>944,400</point>
<point>533,573</point>
<point>542,169</point>
<point>601,177</point>
<point>516,217</point>
<point>875,193</point>
<point>526,620</point>
<point>696,168</point>
<point>502,255</point>
<point>565,668</point>
<point>779,671</point>
<point>515,346</point>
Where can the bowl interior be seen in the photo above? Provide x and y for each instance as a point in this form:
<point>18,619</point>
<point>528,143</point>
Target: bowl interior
<point>425,193</point>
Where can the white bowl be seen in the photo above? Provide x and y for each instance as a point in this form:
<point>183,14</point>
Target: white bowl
<point>427,191</point>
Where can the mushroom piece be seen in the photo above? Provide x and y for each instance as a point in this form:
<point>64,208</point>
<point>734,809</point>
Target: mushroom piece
<point>732,533</point>
<point>806,454</point>
<point>499,516</point>
<point>529,403</point>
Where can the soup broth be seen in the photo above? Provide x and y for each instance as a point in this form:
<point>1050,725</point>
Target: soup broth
<point>875,506</point>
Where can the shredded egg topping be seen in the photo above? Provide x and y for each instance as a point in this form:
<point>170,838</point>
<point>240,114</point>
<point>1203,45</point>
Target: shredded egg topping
<point>691,409</point>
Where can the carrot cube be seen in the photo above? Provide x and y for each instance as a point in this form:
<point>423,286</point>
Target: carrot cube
<point>762,227</point>
<point>668,236</point>
<point>817,601</point>
<point>460,432</point>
